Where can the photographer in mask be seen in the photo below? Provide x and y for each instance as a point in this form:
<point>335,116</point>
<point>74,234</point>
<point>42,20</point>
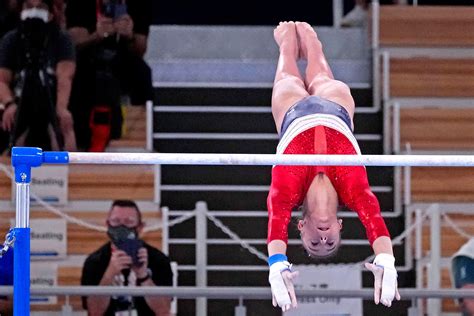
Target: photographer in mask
<point>126,261</point>
<point>37,65</point>
<point>111,39</point>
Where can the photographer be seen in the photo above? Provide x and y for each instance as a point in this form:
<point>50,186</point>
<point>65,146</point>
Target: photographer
<point>111,39</point>
<point>37,64</point>
<point>126,261</point>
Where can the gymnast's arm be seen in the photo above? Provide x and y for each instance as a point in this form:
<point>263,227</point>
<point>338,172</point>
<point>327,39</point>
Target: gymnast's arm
<point>354,191</point>
<point>286,192</point>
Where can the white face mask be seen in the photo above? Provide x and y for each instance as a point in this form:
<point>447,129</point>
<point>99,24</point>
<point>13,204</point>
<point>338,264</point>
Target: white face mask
<point>37,13</point>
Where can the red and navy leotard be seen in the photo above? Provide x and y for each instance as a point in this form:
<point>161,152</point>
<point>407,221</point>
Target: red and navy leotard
<point>290,183</point>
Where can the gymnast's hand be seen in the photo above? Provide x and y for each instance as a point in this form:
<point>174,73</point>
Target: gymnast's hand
<point>385,283</point>
<point>281,282</point>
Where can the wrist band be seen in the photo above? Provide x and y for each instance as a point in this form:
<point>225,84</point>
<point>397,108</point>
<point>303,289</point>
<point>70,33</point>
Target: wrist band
<point>277,258</point>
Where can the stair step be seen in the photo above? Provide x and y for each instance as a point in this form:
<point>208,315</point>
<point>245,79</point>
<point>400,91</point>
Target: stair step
<point>233,96</point>
<point>237,200</point>
<point>246,175</point>
<point>259,73</point>
<point>266,146</point>
<point>238,120</point>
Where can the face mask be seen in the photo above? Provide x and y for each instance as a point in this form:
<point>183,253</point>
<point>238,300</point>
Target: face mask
<point>122,233</point>
<point>35,13</point>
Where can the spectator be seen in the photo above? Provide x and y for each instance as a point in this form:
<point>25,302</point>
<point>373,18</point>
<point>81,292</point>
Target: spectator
<point>6,278</point>
<point>37,64</point>
<point>358,15</point>
<point>462,268</point>
<point>123,262</point>
<point>111,39</point>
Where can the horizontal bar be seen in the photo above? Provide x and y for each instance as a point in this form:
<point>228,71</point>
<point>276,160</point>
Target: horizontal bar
<point>239,188</point>
<point>217,136</point>
<point>262,241</point>
<point>268,159</point>
<point>446,151</point>
<point>239,213</point>
<point>461,208</point>
<point>432,52</point>
<point>211,109</point>
<point>235,85</point>
<point>231,292</point>
<point>244,136</point>
<point>232,268</point>
<point>228,109</point>
<point>434,102</point>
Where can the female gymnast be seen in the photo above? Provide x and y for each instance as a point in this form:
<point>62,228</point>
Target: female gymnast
<point>314,115</point>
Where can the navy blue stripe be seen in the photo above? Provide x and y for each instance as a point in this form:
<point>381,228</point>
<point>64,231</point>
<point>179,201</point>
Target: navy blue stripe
<point>313,105</point>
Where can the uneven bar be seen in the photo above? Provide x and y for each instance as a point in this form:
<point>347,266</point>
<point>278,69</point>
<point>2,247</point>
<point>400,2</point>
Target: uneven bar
<point>232,292</point>
<point>267,159</point>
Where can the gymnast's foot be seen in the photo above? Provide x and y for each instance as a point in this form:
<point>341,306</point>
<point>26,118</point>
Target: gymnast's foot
<point>285,36</point>
<point>311,49</point>
<point>308,40</point>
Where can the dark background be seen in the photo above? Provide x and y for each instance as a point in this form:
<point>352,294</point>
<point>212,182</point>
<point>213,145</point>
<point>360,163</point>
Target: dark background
<point>257,12</point>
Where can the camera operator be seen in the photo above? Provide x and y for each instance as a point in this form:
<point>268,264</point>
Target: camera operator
<point>126,261</point>
<point>111,39</point>
<point>37,64</point>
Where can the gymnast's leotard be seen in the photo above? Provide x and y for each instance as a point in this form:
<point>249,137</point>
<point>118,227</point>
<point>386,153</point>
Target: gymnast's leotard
<point>320,130</point>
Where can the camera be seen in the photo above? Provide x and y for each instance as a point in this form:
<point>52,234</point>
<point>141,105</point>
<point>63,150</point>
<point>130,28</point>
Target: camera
<point>126,239</point>
<point>114,9</point>
<point>131,247</point>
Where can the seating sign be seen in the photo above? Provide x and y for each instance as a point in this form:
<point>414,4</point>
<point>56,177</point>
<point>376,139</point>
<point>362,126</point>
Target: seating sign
<point>50,183</point>
<point>43,274</point>
<point>332,276</point>
<point>48,238</point>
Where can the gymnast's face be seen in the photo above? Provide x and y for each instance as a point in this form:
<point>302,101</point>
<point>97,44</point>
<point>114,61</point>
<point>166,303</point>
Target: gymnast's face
<point>320,228</point>
<point>320,238</point>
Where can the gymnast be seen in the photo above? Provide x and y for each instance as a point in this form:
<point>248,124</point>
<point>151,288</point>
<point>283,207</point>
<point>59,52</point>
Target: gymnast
<point>314,115</point>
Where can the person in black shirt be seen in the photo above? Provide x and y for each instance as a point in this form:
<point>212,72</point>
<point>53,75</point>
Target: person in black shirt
<point>111,40</point>
<point>126,261</point>
<point>37,65</point>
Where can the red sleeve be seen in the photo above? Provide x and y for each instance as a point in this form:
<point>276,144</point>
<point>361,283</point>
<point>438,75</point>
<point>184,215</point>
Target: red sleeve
<point>354,191</point>
<point>286,192</point>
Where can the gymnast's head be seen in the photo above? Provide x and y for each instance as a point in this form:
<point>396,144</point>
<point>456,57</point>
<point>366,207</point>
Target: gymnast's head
<point>319,227</point>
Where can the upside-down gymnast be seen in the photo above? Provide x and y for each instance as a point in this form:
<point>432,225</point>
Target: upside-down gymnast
<point>314,115</point>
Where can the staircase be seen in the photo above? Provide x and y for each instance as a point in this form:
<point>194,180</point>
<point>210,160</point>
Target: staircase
<point>212,95</point>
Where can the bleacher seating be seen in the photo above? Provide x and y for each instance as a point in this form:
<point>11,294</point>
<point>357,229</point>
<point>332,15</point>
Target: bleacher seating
<point>438,129</point>
<point>134,131</point>
<point>102,182</point>
<point>421,73</point>
<point>442,184</point>
<point>417,37</point>
<point>426,25</point>
<point>434,77</point>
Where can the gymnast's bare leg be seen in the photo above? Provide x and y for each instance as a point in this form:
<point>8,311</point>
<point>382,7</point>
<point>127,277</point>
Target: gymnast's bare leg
<point>289,86</point>
<point>319,79</point>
